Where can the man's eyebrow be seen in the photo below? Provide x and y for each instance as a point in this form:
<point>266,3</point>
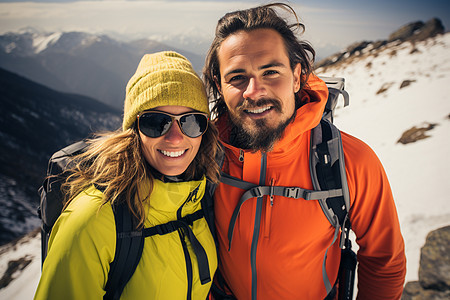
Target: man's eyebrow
<point>235,71</point>
<point>263,67</point>
<point>271,65</point>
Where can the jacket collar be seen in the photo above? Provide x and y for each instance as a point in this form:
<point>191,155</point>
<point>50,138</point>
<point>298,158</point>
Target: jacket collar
<point>170,196</point>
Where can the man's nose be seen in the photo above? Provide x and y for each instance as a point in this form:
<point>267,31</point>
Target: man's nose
<point>254,90</point>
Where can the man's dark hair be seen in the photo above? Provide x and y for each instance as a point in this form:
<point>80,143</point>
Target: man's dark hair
<point>261,17</point>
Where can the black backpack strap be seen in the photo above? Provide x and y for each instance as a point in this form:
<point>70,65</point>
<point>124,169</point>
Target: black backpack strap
<point>327,169</point>
<point>208,206</point>
<point>129,247</point>
<point>171,226</point>
<point>208,198</point>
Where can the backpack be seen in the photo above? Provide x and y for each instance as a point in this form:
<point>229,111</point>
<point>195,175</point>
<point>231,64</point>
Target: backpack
<point>129,242</point>
<point>327,169</point>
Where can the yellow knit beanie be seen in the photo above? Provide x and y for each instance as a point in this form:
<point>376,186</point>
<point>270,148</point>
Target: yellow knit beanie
<point>163,78</point>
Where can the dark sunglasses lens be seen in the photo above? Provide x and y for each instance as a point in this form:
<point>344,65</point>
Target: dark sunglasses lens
<point>154,124</point>
<point>194,125</point>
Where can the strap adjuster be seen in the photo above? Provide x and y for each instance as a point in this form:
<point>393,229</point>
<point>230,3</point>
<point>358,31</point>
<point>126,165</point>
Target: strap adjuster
<point>292,192</point>
<point>256,192</point>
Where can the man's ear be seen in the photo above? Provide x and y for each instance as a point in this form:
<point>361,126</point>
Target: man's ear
<point>297,77</point>
<point>217,82</point>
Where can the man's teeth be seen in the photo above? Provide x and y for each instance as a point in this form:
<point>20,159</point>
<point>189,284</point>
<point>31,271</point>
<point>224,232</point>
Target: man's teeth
<point>258,110</point>
<point>173,153</point>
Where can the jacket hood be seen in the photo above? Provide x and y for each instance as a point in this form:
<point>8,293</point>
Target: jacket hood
<point>313,97</point>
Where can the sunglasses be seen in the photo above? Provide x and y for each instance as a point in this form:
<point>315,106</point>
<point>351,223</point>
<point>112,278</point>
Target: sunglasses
<point>157,123</point>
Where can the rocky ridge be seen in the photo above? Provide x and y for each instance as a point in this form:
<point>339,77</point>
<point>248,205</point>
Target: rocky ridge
<point>412,32</point>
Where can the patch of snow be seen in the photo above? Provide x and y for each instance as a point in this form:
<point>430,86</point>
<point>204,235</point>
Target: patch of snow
<point>10,47</point>
<point>25,283</point>
<point>18,118</point>
<point>41,42</point>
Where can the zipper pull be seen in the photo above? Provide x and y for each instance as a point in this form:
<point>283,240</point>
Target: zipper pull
<point>271,192</point>
<point>241,155</point>
<point>193,195</point>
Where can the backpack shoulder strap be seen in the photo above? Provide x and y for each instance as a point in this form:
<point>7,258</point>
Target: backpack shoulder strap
<point>208,198</point>
<point>129,247</point>
<point>327,168</point>
<point>208,206</point>
<point>335,88</point>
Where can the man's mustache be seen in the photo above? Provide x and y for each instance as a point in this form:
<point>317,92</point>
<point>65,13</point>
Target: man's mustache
<point>248,104</point>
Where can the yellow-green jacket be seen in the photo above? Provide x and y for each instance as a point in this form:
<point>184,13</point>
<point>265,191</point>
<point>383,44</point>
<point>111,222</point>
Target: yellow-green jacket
<point>83,240</point>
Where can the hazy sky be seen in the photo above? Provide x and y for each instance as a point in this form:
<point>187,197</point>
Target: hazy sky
<point>329,23</point>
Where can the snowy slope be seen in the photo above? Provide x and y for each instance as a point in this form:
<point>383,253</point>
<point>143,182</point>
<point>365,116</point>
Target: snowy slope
<point>418,171</point>
<point>26,253</point>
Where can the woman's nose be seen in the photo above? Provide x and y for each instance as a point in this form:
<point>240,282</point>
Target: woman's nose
<point>174,135</point>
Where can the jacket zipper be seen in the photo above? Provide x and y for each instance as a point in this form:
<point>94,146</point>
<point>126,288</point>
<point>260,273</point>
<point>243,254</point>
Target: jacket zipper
<point>241,155</point>
<point>256,228</point>
<point>187,257</point>
<point>188,264</point>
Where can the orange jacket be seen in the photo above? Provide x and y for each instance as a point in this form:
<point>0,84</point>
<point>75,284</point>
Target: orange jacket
<point>294,233</point>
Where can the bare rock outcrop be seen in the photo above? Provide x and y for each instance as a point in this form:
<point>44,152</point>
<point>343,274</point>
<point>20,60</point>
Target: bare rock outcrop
<point>412,32</point>
<point>434,270</point>
<point>418,31</point>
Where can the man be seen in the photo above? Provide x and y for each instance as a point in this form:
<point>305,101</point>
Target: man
<point>268,100</point>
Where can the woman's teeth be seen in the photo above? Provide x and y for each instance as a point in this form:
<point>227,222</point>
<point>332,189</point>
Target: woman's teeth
<point>173,153</point>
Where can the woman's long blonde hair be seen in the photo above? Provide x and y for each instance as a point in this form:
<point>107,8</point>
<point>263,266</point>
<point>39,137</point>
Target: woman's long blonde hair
<point>114,163</point>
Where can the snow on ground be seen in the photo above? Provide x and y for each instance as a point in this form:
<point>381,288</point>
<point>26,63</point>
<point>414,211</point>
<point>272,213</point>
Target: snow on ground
<point>25,281</point>
<point>418,172</point>
<point>379,112</point>
<point>41,42</point>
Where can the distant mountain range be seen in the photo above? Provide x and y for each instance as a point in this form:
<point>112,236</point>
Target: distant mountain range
<point>35,122</point>
<point>99,66</point>
<point>96,66</point>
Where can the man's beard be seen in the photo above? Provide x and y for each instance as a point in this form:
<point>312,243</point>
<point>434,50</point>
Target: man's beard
<point>261,137</point>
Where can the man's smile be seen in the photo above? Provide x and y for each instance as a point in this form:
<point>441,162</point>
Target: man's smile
<point>258,110</point>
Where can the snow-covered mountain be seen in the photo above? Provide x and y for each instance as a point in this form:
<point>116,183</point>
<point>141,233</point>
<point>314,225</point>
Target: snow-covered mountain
<point>92,65</point>
<point>396,89</point>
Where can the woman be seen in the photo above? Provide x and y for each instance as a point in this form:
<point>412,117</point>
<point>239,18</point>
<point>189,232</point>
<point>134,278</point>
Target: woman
<point>158,165</point>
